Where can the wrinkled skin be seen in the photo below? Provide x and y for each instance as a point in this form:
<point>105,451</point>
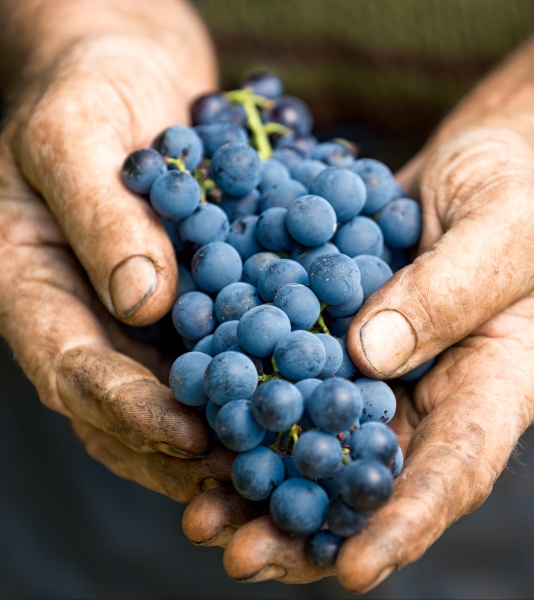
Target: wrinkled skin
<point>67,225</point>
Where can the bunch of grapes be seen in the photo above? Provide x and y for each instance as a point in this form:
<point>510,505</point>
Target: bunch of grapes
<point>286,238</point>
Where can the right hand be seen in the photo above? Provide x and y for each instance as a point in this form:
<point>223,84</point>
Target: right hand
<point>80,252</point>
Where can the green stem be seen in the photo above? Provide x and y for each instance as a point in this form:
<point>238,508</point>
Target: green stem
<point>322,325</point>
<point>345,461</point>
<point>294,434</point>
<point>178,163</point>
<point>275,368</point>
<point>276,128</point>
<point>276,443</point>
<point>250,103</point>
<point>263,378</point>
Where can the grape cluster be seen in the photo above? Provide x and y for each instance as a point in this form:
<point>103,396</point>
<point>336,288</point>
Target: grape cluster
<point>286,238</point>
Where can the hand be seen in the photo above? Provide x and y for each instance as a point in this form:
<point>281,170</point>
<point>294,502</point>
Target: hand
<point>97,83</point>
<point>472,288</point>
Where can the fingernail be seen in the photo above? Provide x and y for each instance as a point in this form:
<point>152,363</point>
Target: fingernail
<point>211,484</point>
<point>173,451</point>
<point>269,572</point>
<point>131,283</point>
<point>383,574</point>
<point>388,341</point>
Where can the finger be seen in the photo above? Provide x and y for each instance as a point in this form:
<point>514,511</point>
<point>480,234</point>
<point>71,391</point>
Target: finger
<point>71,147</point>
<point>49,318</point>
<point>259,552</point>
<point>181,480</point>
<point>478,226</point>
<point>212,518</point>
<point>455,456</point>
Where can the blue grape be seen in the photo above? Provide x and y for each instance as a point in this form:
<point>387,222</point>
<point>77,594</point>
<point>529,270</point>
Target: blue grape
<point>264,84</point>
<point>182,142</point>
<point>205,345</point>
<point>290,157</point>
<point>260,329</point>
<point>360,235</point>
<point>299,355</point>
<point>277,405</point>
<point>193,315</point>
<point>334,278</point>
<point>257,473</point>
<point>208,108</point>
<point>299,303</point>
<point>398,463</point>
<point>141,168</point>
<point>186,378</point>
<point>175,195</point>
<point>208,223</point>
<point>331,484</point>
<point>347,368</point>
<point>273,173</point>
<point>307,170</point>
<point>237,428</point>
<point>216,265</point>
<point>220,133</point>
<point>254,264</point>
<point>339,326</point>
<point>334,154</point>
<point>400,221</point>
<point>277,274</point>
<point>234,300</point>
<point>293,113</point>
<point>317,454</point>
<point>343,520</point>
<point>258,362</point>
<point>350,307</point>
<point>236,168</point>
<point>290,470</point>
<point>242,236</point>
<point>306,388</point>
<point>171,227</point>
<point>282,193</point>
<point>379,181</point>
<point>334,355</point>
<point>322,550</point>
<point>419,371</point>
<point>344,190</point>
<point>212,410</point>
<point>236,207</point>
<point>298,507</point>
<point>271,230</point>
<point>379,403</point>
<point>224,337</point>
<point>235,114</point>
<point>305,255</point>
<point>335,405</point>
<point>366,485</point>
<point>230,376</point>
<point>395,258</point>
<point>304,144</point>
<point>186,283</point>
<point>374,272</point>
<point>374,441</point>
<point>311,220</point>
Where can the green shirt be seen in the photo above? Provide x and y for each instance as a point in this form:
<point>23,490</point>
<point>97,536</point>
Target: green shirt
<point>399,65</point>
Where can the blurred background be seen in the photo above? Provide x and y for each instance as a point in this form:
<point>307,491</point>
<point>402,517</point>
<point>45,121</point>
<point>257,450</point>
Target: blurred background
<point>381,73</point>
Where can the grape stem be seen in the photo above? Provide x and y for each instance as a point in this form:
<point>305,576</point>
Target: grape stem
<point>178,163</point>
<point>250,103</point>
<point>345,461</point>
<point>293,434</point>
<point>275,368</point>
<point>276,443</point>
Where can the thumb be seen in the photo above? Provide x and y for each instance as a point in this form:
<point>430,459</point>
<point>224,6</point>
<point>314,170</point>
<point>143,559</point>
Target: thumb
<point>477,197</point>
